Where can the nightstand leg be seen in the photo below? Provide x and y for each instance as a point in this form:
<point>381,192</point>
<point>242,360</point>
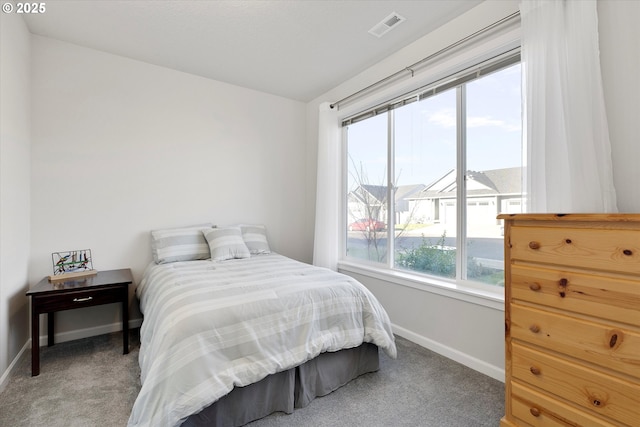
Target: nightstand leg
<point>35,343</point>
<point>125,321</point>
<point>50,340</point>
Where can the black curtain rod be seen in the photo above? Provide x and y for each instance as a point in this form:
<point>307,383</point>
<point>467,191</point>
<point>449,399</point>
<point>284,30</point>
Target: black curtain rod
<point>411,67</point>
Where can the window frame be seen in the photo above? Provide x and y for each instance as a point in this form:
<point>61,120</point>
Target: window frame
<point>459,287</point>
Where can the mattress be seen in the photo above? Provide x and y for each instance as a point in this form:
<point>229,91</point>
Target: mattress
<point>210,327</point>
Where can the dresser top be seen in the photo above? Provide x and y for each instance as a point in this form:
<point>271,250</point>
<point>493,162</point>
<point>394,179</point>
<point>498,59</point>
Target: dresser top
<point>599,217</point>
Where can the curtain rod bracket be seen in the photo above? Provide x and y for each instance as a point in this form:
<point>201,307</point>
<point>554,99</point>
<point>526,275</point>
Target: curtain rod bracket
<point>410,70</point>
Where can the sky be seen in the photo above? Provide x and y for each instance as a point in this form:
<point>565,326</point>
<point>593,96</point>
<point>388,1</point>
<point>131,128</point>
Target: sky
<point>425,133</point>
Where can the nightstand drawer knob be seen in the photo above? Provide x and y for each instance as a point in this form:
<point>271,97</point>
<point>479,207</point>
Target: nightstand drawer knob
<point>82,299</point>
<point>535,411</point>
<point>534,328</point>
<point>535,286</point>
<point>535,370</point>
<point>534,245</point>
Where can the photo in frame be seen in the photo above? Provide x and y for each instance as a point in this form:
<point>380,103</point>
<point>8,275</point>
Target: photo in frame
<point>72,263</point>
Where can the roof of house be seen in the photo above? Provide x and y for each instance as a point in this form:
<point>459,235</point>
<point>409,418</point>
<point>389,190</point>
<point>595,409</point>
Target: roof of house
<point>378,193</point>
<point>405,191</point>
<point>479,183</point>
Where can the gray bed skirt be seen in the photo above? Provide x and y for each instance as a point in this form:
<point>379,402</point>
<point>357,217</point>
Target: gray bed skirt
<point>287,390</point>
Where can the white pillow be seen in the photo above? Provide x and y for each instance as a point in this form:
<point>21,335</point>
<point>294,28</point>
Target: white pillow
<point>226,243</point>
<point>180,244</point>
<point>255,237</point>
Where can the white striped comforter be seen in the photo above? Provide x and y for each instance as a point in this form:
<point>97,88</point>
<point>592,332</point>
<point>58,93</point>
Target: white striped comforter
<point>209,326</point>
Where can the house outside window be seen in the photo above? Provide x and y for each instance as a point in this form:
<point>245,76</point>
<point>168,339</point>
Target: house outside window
<point>435,169</point>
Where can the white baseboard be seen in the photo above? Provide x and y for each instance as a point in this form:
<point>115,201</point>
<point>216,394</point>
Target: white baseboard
<point>4,379</point>
<point>453,354</point>
<point>89,332</point>
<point>463,358</point>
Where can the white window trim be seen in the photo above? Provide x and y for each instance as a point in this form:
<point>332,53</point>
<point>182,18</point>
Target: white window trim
<point>485,295</point>
<point>460,291</point>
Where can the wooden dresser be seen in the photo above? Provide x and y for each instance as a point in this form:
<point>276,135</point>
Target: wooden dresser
<point>572,319</point>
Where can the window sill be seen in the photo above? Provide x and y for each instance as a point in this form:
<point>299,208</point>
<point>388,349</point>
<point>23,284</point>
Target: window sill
<point>483,297</point>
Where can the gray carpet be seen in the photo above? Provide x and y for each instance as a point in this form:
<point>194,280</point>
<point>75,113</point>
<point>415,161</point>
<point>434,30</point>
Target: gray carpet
<point>89,382</point>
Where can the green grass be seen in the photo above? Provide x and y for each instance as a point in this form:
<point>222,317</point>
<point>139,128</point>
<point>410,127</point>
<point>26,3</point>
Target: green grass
<point>496,278</point>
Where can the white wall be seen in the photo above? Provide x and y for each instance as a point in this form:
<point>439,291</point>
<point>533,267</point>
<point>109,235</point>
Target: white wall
<point>620,65</point>
<point>465,330</point>
<point>14,188</point>
<point>121,147</point>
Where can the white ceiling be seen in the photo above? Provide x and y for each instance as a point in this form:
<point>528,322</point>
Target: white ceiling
<point>297,49</point>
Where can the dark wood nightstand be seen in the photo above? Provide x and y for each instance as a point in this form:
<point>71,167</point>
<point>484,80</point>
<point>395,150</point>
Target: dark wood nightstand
<point>105,287</point>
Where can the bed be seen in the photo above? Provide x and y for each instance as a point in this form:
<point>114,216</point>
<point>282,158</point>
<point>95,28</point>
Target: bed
<point>226,341</point>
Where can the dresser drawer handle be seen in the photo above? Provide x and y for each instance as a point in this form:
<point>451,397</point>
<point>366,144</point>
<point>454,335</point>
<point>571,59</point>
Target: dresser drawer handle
<point>534,245</point>
<point>535,370</point>
<point>534,328</point>
<point>535,286</point>
<point>82,299</point>
<point>535,411</point>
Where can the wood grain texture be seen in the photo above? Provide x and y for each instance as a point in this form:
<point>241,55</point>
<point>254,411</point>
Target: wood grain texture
<point>583,293</point>
<point>572,316</point>
<point>553,412</point>
<point>606,395</point>
<point>593,342</point>
<point>597,249</point>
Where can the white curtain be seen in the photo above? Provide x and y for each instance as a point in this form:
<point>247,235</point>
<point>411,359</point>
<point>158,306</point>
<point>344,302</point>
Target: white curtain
<point>568,148</point>
<point>326,243</point>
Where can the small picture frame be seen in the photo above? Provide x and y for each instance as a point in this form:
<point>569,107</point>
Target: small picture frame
<point>72,264</point>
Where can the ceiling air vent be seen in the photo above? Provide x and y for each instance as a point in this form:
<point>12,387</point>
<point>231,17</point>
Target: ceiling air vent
<point>386,25</point>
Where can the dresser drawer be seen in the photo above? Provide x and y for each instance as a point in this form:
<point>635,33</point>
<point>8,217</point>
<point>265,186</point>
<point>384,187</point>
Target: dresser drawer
<point>604,395</point>
<point>600,248</point>
<point>533,408</point>
<point>604,344</point>
<point>77,299</point>
<point>593,295</point>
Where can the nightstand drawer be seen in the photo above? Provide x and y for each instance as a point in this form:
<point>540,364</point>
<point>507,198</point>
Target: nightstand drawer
<point>602,249</point>
<point>602,394</point>
<point>77,299</point>
<point>537,409</point>
<point>593,295</point>
<point>607,345</point>
<point>105,287</point>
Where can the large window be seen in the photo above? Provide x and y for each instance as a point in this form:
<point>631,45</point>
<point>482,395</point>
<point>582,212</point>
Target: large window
<point>427,175</point>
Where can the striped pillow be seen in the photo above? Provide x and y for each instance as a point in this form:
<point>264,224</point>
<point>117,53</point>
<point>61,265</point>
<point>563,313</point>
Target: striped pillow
<point>255,237</point>
<point>226,243</point>
<point>180,244</point>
